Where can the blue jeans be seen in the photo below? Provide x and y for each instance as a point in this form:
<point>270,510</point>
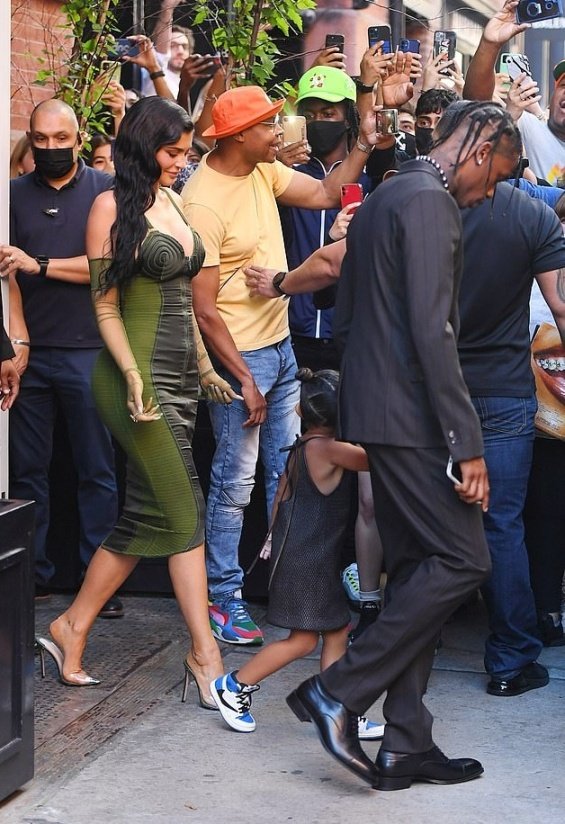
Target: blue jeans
<point>232,476</point>
<point>58,378</point>
<point>508,433</point>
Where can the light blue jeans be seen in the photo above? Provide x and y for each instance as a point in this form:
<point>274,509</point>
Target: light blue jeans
<point>232,476</point>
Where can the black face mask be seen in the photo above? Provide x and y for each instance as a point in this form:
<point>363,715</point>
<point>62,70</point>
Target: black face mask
<point>53,164</point>
<point>324,135</point>
<point>424,140</point>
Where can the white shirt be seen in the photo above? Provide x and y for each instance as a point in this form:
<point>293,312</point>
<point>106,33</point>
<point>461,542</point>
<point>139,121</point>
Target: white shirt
<point>172,78</point>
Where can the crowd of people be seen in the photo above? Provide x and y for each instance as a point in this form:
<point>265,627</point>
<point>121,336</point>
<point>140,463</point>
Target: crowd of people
<point>156,265</point>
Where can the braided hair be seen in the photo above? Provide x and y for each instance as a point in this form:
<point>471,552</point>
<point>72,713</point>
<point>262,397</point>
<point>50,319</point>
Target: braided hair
<point>478,115</point>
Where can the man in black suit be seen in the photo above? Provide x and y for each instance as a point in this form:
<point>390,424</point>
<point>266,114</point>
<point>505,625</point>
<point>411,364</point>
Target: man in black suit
<point>9,378</point>
<point>402,396</point>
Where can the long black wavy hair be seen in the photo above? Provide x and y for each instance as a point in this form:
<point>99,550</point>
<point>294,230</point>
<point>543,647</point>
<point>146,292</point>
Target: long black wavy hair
<point>149,125</point>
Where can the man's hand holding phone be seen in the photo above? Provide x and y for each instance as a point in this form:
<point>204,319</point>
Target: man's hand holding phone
<point>294,153</point>
<point>473,486</point>
<point>522,95</point>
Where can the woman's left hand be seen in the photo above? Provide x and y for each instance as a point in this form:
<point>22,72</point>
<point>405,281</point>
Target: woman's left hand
<point>217,389</point>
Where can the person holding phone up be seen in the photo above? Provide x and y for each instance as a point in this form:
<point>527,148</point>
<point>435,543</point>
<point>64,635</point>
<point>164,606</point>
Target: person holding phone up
<point>231,200</point>
<point>544,141</point>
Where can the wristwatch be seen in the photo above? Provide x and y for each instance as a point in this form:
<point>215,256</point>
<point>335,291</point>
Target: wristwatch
<point>43,264</point>
<point>277,280</point>
<point>362,87</point>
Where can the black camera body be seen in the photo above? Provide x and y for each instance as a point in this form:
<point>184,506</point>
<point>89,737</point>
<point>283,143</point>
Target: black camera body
<point>531,11</point>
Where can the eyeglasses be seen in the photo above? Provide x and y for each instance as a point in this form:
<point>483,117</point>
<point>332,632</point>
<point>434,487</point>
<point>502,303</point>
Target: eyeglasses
<point>272,124</point>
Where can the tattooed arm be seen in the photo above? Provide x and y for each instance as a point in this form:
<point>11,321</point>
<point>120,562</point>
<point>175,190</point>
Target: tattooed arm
<point>552,285</point>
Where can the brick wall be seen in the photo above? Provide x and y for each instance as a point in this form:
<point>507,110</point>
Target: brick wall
<point>36,25</point>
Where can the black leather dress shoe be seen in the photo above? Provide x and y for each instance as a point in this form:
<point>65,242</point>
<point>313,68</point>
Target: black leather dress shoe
<point>531,678</point>
<point>398,770</point>
<point>113,608</point>
<point>337,726</point>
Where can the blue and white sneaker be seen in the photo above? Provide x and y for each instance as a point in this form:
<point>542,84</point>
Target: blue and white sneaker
<point>350,581</point>
<point>234,701</point>
<point>369,731</point>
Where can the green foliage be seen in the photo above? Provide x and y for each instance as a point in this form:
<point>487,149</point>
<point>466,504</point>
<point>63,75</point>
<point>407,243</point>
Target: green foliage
<point>243,34</point>
<point>74,71</point>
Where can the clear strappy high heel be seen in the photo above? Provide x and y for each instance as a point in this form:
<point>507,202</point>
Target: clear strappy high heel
<point>75,679</point>
<point>206,702</point>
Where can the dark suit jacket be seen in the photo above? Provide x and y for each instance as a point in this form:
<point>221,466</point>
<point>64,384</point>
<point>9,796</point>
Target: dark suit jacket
<point>6,351</point>
<point>396,320</point>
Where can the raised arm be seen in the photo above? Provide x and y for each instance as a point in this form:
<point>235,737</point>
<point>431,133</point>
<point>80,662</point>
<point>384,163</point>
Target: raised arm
<point>479,80</point>
<point>319,270</point>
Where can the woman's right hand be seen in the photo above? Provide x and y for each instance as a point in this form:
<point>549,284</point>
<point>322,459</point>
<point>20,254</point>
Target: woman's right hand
<point>138,411</point>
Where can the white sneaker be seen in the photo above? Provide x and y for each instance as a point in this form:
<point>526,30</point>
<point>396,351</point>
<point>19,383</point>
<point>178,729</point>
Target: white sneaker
<point>234,701</point>
<point>368,731</point>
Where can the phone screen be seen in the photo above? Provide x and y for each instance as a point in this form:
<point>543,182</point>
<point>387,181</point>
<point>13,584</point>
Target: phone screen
<point>294,129</point>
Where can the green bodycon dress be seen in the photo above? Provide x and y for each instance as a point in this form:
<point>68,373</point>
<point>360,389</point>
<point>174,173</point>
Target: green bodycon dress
<point>164,507</point>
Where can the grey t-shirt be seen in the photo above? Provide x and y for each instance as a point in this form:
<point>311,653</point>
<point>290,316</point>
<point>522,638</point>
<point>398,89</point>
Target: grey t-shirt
<point>543,149</point>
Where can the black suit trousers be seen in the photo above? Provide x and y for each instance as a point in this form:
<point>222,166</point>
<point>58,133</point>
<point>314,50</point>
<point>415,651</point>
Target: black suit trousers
<point>435,555</point>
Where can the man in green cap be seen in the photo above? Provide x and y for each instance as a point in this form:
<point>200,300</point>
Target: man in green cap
<point>326,98</point>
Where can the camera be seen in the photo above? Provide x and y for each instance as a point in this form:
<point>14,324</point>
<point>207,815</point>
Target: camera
<point>530,11</point>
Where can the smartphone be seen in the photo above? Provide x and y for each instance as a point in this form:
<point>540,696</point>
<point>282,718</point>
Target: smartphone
<point>334,41</point>
<point>530,11</point>
<point>514,64</point>
<point>351,193</point>
<point>376,33</point>
<point>294,129</point>
<point>406,45</point>
<point>109,70</point>
<point>449,472</point>
<point>124,47</point>
<point>444,43</point>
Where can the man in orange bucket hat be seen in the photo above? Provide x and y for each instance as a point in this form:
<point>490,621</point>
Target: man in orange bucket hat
<point>231,201</point>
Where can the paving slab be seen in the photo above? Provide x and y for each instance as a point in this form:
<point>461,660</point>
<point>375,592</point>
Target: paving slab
<point>171,763</point>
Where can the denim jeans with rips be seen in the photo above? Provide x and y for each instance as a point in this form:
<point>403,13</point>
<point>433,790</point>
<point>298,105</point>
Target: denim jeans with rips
<point>232,476</point>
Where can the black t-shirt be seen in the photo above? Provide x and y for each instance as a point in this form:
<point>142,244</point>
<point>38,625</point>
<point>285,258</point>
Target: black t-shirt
<point>506,242</point>
<point>52,222</point>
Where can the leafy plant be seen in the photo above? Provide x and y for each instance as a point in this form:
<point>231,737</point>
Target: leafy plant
<point>74,70</point>
<point>242,33</point>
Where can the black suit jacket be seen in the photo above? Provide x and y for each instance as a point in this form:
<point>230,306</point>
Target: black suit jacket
<point>6,350</point>
<point>396,320</point>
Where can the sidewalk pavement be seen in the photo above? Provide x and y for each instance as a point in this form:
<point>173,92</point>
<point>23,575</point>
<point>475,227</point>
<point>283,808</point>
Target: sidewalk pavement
<point>129,752</point>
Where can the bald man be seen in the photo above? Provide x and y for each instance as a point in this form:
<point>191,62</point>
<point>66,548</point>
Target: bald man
<point>54,334</point>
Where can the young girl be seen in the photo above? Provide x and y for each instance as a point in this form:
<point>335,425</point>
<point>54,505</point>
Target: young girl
<point>309,521</point>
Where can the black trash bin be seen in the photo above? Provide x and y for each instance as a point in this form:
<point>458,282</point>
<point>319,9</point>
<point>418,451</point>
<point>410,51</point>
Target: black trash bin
<point>16,645</point>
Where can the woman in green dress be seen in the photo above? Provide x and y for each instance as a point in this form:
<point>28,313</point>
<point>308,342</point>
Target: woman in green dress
<point>142,256</point>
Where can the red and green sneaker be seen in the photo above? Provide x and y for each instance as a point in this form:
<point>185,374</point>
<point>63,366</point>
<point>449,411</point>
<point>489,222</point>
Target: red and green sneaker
<point>231,622</point>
